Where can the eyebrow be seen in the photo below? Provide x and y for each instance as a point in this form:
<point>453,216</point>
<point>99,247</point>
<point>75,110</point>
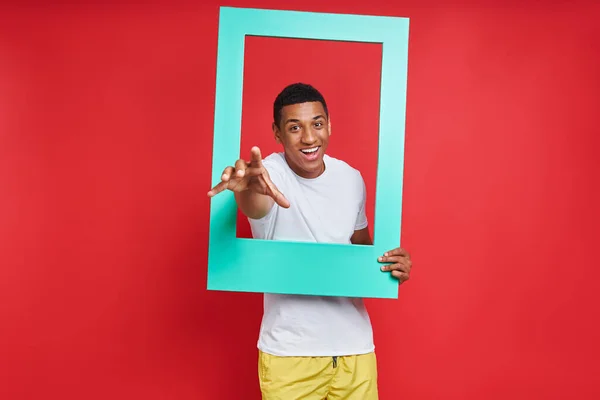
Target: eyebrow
<point>297,120</point>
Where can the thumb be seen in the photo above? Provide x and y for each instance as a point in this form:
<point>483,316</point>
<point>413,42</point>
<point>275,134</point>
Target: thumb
<point>280,199</point>
<point>275,194</point>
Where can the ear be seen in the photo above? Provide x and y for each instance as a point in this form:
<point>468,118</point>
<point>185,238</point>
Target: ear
<point>276,133</point>
<point>329,125</point>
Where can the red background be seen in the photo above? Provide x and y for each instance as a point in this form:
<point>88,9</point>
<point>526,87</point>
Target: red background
<point>106,117</point>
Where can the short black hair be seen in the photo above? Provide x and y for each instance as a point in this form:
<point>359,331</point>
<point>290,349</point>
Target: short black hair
<point>294,94</point>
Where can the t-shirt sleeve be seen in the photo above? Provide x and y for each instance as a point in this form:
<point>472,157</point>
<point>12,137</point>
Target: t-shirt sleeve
<point>361,219</point>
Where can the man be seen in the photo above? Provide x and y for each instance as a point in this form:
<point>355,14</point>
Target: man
<point>310,347</point>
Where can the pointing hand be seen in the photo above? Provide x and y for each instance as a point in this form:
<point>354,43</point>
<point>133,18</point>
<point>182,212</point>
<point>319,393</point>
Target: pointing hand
<point>251,176</point>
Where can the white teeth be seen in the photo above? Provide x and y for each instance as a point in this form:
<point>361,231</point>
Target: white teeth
<point>310,150</point>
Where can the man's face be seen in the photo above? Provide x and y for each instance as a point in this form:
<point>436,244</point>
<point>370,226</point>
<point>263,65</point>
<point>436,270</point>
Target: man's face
<point>304,132</point>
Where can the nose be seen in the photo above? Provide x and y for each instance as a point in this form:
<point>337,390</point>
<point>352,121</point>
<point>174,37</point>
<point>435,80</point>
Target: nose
<point>308,136</point>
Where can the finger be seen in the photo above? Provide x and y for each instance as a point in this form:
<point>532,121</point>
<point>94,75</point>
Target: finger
<point>240,168</point>
<point>401,276</point>
<point>397,252</point>
<point>396,267</point>
<point>256,157</point>
<point>218,189</point>
<point>227,174</point>
<point>395,259</point>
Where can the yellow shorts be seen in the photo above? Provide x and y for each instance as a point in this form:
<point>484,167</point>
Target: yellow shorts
<point>318,378</point>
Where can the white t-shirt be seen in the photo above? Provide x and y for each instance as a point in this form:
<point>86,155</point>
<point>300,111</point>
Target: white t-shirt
<point>327,209</point>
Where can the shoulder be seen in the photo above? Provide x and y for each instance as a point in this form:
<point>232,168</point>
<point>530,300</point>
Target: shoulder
<point>342,169</point>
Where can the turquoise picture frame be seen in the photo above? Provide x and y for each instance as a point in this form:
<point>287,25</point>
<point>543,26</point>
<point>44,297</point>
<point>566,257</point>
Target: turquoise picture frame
<point>323,269</point>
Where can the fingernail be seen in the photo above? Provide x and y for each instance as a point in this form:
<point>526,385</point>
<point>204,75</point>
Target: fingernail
<point>383,268</point>
<point>380,258</point>
<point>385,254</point>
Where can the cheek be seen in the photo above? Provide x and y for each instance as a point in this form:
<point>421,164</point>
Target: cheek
<point>290,141</point>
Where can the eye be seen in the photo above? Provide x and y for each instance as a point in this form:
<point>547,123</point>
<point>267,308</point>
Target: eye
<point>294,128</point>
<point>319,124</point>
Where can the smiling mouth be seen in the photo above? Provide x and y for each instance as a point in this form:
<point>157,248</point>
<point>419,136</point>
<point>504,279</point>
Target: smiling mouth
<point>312,150</point>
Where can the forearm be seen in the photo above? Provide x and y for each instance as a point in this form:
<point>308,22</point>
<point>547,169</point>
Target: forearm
<point>253,205</point>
